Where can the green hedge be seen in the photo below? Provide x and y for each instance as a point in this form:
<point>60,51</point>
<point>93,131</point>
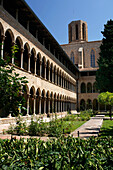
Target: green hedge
<point>57,154</point>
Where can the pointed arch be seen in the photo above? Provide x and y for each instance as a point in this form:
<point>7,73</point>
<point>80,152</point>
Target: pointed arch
<point>83,87</point>
<point>8,43</point>
<point>25,56</point>
<point>19,44</point>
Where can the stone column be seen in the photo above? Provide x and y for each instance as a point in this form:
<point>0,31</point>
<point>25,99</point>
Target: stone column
<point>29,55</point>
<point>45,71</point>
<point>55,106</point>
<point>44,105</point>
<point>35,66</point>
<point>40,68</point>
<point>61,80</point>
<point>52,105</point>
<point>52,75</point>
<point>28,96</point>
<point>2,46</point>
<point>58,79</point>
<point>58,106</point>
<point>92,88</point>
<point>34,108</point>
<point>39,104</point>
<point>22,51</point>
<point>48,105</point>
<point>13,53</point>
<point>49,73</point>
<point>55,77</point>
<point>61,105</point>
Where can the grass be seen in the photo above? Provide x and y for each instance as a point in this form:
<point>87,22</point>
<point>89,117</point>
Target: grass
<point>70,126</point>
<point>107,128</point>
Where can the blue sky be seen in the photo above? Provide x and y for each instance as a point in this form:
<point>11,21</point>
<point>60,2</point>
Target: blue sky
<point>57,14</point>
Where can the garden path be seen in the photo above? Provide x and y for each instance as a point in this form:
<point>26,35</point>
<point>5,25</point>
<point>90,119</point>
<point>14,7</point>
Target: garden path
<point>90,128</point>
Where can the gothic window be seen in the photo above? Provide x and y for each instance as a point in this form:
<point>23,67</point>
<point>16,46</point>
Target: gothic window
<point>92,58</point>
<point>70,33</point>
<point>83,31</point>
<point>89,88</point>
<point>72,57</point>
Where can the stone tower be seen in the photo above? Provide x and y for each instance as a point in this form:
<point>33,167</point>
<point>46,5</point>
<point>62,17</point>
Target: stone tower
<point>77,31</point>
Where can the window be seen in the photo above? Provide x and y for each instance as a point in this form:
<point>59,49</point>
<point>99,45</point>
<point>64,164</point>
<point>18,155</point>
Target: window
<point>72,57</point>
<point>83,31</point>
<point>92,58</point>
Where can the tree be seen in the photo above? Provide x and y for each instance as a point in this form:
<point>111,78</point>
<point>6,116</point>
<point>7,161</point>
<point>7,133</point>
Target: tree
<point>10,86</point>
<point>104,76</point>
<point>106,98</point>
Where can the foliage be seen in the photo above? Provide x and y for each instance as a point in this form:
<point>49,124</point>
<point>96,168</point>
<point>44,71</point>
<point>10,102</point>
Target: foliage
<point>56,127</point>
<point>37,128</point>
<point>62,153</point>
<point>104,75</point>
<point>107,128</point>
<point>86,114</point>
<point>10,86</point>
<point>107,99</point>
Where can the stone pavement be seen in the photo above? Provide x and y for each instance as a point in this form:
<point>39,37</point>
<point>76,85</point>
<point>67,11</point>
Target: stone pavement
<point>90,128</point>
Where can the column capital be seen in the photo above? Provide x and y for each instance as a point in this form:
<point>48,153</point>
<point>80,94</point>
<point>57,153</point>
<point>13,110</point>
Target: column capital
<point>40,62</point>
<point>45,65</point>
<point>2,37</point>
<point>22,50</point>
<point>34,96</point>
<point>29,55</point>
<point>49,68</point>
<point>28,95</point>
<point>35,59</point>
<point>13,43</point>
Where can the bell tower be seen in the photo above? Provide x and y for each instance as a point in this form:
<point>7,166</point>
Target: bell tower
<point>77,31</point>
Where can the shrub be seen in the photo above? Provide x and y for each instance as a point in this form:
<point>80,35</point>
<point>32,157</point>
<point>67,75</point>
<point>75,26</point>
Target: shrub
<point>61,153</point>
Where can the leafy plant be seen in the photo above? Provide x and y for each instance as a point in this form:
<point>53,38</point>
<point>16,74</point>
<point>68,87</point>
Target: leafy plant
<point>61,153</point>
<point>10,86</point>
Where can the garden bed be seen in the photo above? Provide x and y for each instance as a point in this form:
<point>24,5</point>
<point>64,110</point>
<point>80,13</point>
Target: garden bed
<point>61,153</point>
<point>54,128</point>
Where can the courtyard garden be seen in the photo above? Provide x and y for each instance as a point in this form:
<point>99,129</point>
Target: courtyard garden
<point>55,128</point>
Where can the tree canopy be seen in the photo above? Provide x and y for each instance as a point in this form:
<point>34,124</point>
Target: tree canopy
<point>106,98</point>
<point>104,77</point>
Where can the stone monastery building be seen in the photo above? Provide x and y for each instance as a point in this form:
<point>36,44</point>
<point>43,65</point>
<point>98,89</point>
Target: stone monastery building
<point>61,78</point>
<point>84,55</point>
